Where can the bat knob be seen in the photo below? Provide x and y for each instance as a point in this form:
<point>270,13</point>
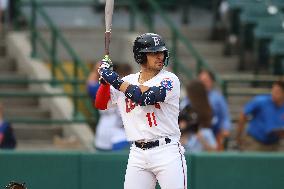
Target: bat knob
<point>102,81</point>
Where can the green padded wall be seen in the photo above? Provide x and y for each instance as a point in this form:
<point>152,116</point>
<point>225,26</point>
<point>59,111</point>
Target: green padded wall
<point>103,170</point>
<point>238,171</point>
<point>75,170</point>
<point>40,170</point>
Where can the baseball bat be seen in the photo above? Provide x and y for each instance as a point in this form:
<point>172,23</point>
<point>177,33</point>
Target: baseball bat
<point>108,22</point>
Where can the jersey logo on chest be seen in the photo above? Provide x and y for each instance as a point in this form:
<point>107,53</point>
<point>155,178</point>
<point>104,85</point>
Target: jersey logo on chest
<point>130,105</point>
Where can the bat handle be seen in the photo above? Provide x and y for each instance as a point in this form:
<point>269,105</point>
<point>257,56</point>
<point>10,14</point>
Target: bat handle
<point>107,42</point>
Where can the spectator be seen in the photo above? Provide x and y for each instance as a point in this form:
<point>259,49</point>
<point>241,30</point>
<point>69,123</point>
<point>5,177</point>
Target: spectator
<point>221,116</point>
<point>195,120</point>
<point>267,121</point>
<point>110,133</point>
<point>7,138</point>
<point>221,123</point>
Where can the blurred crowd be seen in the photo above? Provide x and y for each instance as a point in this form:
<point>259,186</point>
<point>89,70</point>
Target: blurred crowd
<point>204,119</point>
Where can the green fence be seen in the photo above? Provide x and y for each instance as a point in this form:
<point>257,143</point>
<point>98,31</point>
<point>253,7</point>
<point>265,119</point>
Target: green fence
<point>75,170</point>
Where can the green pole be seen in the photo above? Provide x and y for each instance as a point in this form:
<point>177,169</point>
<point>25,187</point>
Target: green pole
<point>54,56</point>
<point>174,52</point>
<point>185,11</point>
<point>224,86</point>
<point>75,86</point>
<point>198,66</point>
<point>132,17</point>
<point>33,29</point>
<point>149,16</point>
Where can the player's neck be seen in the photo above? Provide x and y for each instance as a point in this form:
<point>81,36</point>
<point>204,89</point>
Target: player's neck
<point>147,74</point>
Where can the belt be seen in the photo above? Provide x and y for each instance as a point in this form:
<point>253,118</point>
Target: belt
<point>150,144</point>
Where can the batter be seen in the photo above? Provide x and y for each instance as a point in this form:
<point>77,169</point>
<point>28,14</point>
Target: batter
<point>148,102</point>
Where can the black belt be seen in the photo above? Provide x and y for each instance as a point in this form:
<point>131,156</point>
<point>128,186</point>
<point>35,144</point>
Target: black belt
<point>150,144</point>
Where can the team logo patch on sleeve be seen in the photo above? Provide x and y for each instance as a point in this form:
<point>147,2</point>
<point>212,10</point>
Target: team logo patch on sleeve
<point>167,83</point>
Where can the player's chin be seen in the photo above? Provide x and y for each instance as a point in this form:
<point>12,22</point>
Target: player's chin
<point>159,66</point>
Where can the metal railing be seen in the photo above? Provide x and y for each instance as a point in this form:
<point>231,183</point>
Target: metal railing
<point>176,37</point>
<point>50,48</point>
<point>37,10</point>
<point>257,81</point>
<point>79,118</point>
<point>147,18</point>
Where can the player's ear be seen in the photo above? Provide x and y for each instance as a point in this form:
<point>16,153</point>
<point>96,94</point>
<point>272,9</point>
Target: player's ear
<point>145,58</point>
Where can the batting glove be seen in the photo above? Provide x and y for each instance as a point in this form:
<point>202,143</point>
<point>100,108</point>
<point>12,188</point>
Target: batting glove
<point>106,63</point>
<point>111,77</point>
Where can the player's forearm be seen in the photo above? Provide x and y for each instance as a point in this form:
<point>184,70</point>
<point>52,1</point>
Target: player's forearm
<point>125,85</point>
<point>143,95</point>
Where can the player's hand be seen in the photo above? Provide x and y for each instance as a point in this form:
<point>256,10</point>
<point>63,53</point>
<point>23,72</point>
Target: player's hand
<point>106,63</point>
<point>111,77</point>
<point>102,81</point>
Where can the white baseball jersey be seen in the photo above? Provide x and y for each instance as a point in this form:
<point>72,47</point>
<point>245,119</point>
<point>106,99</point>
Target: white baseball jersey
<point>151,121</point>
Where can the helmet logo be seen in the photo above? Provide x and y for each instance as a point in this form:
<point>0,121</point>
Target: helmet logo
<point>156,40</point>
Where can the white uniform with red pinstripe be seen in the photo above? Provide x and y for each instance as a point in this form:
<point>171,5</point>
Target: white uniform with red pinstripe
<point>164,163</point>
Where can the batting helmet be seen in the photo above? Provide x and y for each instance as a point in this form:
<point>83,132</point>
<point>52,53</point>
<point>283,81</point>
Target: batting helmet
<point>149,42</point>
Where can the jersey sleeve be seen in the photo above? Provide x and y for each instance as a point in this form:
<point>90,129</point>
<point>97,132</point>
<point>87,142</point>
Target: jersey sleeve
<point>253,106</point>
<point>172,85</point>
<point>102,97</point>
<point>225,115</point>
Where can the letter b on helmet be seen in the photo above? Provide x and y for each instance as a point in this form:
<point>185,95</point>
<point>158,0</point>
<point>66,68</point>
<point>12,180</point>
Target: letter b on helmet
<point>149,42</point>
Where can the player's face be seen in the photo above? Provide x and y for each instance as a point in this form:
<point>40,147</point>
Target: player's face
<point>155,60</point>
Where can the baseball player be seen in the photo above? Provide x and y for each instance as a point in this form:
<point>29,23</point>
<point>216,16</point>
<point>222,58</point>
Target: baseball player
<point>148,102</point>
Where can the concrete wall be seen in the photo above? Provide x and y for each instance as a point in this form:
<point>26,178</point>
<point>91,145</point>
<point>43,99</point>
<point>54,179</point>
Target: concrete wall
<point>60,107</point>
<point>89,45</point>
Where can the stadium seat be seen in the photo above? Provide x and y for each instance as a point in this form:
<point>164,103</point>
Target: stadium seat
<point>250,15</point>
<point>236,7</point>
<point>276,54</point>
<point>263,33</point>
<point>278,3</point>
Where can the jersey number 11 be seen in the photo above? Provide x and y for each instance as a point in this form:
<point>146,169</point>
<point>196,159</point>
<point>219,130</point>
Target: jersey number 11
<point>151,119</point>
